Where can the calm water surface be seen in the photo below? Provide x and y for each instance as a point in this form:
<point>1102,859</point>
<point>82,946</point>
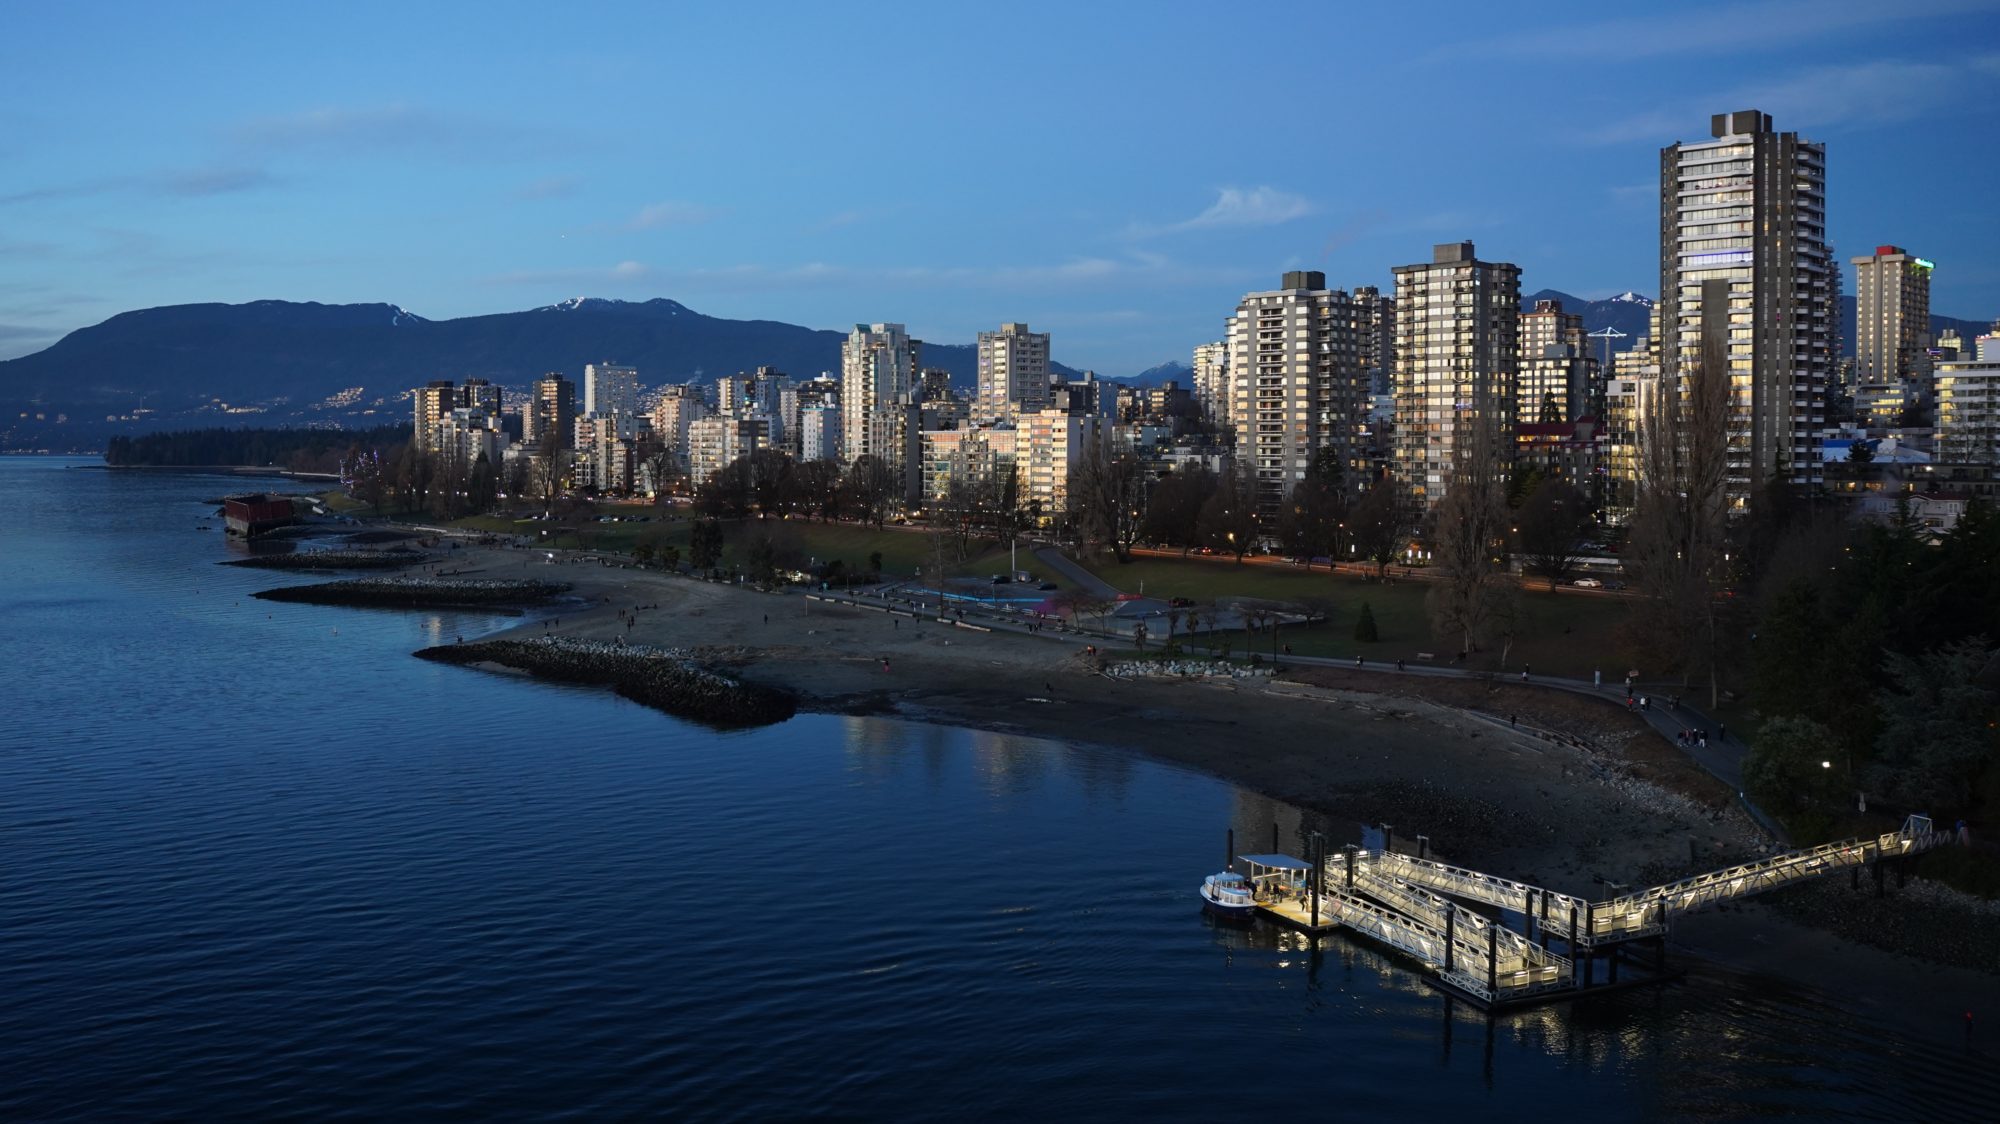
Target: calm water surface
<point>256,862</point>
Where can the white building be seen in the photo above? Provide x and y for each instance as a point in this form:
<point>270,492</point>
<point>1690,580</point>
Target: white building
<point>1211,381</point>
<point>610,390</point>
<point>1048,446</point>
<point>819,433</point>
<point>1013,377</point>
<point>1745,271</point>
<point>1457,358</point>
<point>1968,409</point>
<point>878,366</point>
<point>1296,384</point>
<point>717,440</point>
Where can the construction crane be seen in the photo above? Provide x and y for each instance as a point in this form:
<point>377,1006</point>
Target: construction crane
<point>1607,334</point>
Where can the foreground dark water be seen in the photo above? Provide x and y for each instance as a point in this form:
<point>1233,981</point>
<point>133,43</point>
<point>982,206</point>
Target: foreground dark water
<point>256,862</point>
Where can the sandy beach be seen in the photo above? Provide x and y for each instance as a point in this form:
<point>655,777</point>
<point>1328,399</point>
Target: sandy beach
<point>1622,804</point>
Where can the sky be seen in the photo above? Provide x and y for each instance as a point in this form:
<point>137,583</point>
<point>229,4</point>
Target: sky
<point>1117,174</point>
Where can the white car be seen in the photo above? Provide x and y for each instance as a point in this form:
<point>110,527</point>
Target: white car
<point>1587,583</point>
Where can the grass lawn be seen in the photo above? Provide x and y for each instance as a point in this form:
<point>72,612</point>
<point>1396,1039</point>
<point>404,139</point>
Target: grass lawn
<point>1560,634</point>
<point>904,552</point>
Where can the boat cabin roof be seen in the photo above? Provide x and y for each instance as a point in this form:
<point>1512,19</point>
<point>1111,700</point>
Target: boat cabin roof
<point>1275,862</point>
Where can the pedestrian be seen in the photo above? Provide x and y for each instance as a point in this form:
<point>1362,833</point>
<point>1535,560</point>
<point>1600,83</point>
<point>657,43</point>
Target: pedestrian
<point>1645,703</point>
<point>767,618</point>
<point>885,664</point>
<point>1513,721</point>
<point>1357,661</point>
<point>1399,665</point>
<point>1524,675</point>
<point>1597,678</point>
<point>894,623</point>
<point>1721,732</point>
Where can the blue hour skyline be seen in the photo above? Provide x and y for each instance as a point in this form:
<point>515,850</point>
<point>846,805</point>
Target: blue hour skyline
<point>1115,175</point>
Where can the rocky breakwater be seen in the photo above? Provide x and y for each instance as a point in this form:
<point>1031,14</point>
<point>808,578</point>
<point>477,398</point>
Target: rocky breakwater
<point>1184,669</point>
<point>663,678</point>
<point>333,560</point>
<point>421,593</point>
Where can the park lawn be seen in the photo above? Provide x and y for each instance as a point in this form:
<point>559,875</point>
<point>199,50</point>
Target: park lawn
<point>1567,634</point>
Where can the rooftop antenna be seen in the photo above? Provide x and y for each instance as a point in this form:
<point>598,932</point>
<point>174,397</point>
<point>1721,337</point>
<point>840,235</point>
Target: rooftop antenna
<point>1607,334</point>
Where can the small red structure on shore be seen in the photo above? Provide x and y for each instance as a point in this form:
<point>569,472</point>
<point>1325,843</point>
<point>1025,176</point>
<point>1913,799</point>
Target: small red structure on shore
<point>252,515</point>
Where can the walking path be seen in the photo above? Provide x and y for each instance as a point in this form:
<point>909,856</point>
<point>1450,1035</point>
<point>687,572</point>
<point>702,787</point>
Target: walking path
<point>1090,583</point>
<point>1722,757</point>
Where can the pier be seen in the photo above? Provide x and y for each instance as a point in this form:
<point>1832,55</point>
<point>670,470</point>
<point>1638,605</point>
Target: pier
<point>1486,939</point>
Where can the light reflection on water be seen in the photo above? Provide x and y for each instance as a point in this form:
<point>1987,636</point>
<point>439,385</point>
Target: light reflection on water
<point>258,862</point>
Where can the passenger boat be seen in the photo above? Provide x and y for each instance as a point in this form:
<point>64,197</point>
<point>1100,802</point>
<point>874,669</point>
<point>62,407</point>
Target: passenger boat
<point>1272,878</point>
<point>1228,895</point>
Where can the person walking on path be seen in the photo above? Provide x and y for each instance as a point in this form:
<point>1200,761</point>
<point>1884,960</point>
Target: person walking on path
<point>1721,731</point>
<point>1597,678</point>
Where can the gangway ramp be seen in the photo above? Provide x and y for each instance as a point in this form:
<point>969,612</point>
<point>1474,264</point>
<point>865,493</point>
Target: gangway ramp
<point>1644,913</point>
<point>1431,910</point>
<point>1478,966</point>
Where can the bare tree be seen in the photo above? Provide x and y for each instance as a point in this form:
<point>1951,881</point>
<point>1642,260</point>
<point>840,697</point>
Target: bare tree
<point>1107,497</point>
<point>1229,517</point>
<point>1467,527</point>
<point>1379,525</point>
<point>1679,538</point>
<point>1552,525</point>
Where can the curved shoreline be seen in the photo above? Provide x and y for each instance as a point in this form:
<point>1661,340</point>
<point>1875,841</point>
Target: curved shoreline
<point>420,593</point>
<point>666,680</point>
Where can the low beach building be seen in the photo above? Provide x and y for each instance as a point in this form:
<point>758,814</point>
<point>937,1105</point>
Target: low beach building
<point>255,513</point>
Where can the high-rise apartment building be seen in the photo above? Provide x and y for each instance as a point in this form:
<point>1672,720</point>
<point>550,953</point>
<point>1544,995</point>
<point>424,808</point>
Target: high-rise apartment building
<point>878,366</point>
<point>1746,274</point>
<point>1296,384</point>
<point>1892,316</point>
<point>1557,379</point>
<point>550,412</point>
<point>819,433</point>
<point>1211,381</point>
<point>1375,335</point>
<point>1458,323</point>
<point>433,401</point>
<point>1013,376</point>
<point>680,406</point>
<point>611,391</point>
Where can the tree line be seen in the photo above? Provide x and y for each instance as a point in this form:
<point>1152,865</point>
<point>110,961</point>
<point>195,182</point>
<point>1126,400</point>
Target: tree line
<point>300,450</point>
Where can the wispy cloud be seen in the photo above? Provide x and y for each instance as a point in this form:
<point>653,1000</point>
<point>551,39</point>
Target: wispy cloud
<point>399,128</point>
<point>186,183</point>
<point>1078,273</point>
<point>671,212</point>
<point>1869,93</point>
<point>217,181</point>
<point>1730,28</point>
<point>1236,207</point>
<point>549,187</point>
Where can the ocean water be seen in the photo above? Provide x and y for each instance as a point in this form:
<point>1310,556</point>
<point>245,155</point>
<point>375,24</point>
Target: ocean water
<point>255,862</point>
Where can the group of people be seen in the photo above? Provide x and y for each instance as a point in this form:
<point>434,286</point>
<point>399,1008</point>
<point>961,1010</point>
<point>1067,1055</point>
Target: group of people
<point>1697,739</point>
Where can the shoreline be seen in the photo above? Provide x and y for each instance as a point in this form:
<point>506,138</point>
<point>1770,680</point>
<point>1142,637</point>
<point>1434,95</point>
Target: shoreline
<point>1544,812</point>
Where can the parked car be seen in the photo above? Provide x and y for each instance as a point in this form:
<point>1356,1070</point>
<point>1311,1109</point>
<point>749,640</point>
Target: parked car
<point>1587,583</point>
<point>1046,585</point>
<point>1001,579</point>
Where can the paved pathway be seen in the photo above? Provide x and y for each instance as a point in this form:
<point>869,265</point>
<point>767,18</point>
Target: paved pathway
<point>1090,583</point>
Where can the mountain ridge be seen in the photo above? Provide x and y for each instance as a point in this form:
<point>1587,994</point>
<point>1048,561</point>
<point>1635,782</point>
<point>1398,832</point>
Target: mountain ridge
<point>269,350</point>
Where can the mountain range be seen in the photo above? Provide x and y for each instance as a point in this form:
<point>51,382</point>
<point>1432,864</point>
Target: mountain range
<point>265,352</point>
<point>285,362</point>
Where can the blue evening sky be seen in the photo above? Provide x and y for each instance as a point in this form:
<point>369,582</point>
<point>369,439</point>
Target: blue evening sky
<point>1117,174</point>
